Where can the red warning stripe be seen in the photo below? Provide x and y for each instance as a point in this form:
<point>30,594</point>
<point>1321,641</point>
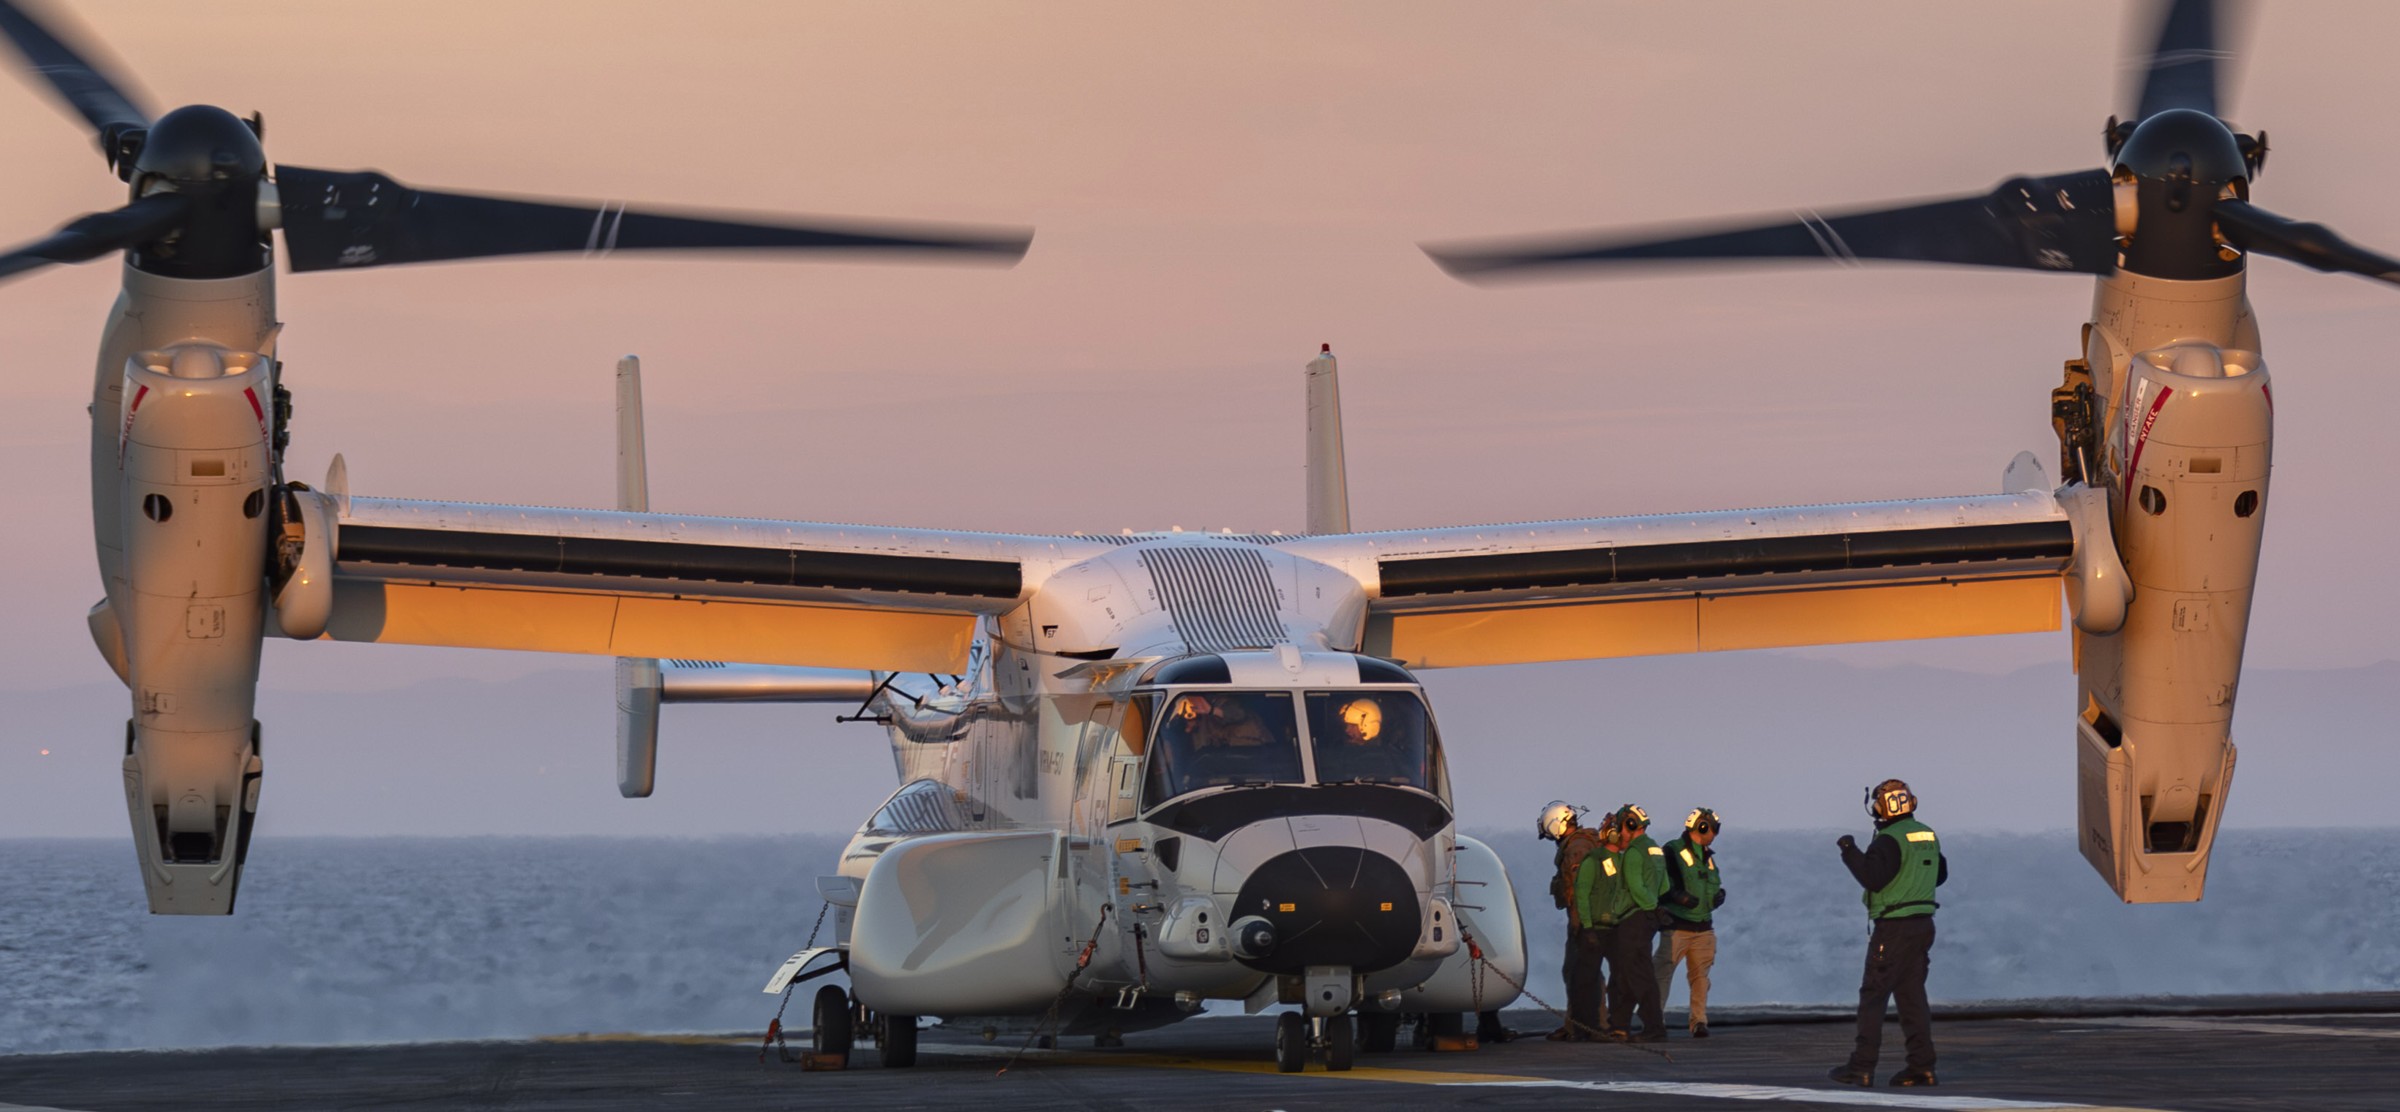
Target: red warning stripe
<point>125,428</point>
<point>2148,420</point>
<point>256,409</point>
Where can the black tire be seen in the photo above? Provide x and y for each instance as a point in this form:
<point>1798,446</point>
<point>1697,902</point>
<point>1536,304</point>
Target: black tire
<point>1443,1025</point>
<point>898,1040</point>
<point>829,1021</point>
<point>1291,1042</point>
<point>1340,1043</point>
<point>1378,1032</point>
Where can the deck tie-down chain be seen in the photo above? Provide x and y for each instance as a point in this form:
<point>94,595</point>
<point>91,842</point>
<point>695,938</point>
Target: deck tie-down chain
<point>1481,963</point>
<point>775,1026</point>
<point>1083,960</point>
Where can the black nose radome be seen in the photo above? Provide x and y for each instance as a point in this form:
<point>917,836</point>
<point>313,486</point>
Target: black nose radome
<point>1332,905</point>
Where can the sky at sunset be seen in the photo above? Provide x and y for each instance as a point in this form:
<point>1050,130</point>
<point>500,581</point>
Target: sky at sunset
<point>1217,189</point>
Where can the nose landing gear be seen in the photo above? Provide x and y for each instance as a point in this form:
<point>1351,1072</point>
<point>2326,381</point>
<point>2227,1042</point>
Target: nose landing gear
<point>1299,1038</point>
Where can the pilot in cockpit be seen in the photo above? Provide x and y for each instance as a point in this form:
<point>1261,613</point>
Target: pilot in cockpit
<point>1214,740</point>
<point>1365,752</point>
<point>1225,724</point>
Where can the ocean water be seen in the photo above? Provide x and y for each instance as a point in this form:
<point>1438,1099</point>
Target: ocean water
<point>363,940</point>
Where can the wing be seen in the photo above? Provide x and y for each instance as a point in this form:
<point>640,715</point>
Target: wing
<point>1704,582</point>
<point>659,585</point>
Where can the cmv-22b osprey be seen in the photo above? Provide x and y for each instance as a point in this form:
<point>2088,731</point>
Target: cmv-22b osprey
<point>1144,771</point>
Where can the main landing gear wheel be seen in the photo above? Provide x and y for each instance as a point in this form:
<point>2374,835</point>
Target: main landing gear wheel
<point>898,1039</point>
<point>1340,1037</point>
<point>829,1021</point>
<point>1291,1042</point>
<point>1378,1032</point>
<point>1439,1026</point>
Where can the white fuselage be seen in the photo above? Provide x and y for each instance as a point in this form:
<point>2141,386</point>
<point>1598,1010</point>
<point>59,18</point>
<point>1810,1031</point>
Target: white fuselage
<point>1042,761</point>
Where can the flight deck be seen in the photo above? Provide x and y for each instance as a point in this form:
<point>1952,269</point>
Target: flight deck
<point>2315,1052</point>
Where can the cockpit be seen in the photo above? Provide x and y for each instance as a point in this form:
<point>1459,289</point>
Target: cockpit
<point>1211,732</point>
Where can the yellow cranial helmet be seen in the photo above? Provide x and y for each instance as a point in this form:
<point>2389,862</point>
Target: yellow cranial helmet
<point>1365,715</point>
<point>1890,800</point>
<point>1702,815</point>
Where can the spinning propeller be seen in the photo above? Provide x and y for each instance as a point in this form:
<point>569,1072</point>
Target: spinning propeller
<point>205,198</point>
<point>2175,203</point>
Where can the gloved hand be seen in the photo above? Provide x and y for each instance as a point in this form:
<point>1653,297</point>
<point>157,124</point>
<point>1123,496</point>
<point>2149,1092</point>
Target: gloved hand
<point>1663,917</point>
<point>1683,899</point>
<point>1849,843</point>
<point>1717,902</point>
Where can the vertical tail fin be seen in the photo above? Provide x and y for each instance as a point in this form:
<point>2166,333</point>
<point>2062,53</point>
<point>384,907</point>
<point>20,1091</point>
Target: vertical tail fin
<point>637,677</point>
<point>1328,478</point>
<point>633,466</point>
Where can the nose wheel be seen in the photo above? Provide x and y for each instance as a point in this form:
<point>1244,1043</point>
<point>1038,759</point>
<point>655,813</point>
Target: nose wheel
<point>1299,1038</point>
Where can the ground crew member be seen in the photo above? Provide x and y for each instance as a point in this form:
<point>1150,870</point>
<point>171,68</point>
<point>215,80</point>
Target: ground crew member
<point>1632,974</point>
<point>1561,822</point>
<point>1597,893</point>
<point>1694,893</point>
<point>1898,873</point>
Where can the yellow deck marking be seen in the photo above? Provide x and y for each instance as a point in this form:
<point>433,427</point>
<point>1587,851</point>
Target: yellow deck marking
<point>1697,1090</point>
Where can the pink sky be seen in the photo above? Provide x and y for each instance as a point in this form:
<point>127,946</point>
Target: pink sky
<point>1218,188</point>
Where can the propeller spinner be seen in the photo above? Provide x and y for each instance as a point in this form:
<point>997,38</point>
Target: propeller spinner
<point>2174,204</point>
<point>205,201</point>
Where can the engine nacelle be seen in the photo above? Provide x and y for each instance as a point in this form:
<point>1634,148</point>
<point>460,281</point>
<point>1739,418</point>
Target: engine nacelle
<point>194,471</point>
<point>2189,453</point>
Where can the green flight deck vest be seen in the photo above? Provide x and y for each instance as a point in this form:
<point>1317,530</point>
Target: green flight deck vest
<point>1645,868</point>
<point>1911,891</point>
<point>1698,868</point>
<point>1598,884</point>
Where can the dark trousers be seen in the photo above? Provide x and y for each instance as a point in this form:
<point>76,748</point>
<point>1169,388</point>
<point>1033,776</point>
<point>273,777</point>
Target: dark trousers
<point>1632,980</point>
<point>1897,955</point>
<point>1582,971</point>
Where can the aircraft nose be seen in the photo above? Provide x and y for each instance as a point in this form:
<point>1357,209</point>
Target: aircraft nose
<point>1331,905</point>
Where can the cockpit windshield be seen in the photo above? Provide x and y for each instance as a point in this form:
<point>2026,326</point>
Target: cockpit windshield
<point>1220,738</point>
<point>1373,737</point>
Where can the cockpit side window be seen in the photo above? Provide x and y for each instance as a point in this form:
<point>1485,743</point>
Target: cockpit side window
<point>1210,739</point>
<point>1374,737</point>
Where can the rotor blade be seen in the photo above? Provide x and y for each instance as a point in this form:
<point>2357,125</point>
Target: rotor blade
<point>90,237</point>
<point>83,85</point>
<point>2181,71</point>
<point>334,220</point>
<point>2258,231</point>
<point>2063,222</point>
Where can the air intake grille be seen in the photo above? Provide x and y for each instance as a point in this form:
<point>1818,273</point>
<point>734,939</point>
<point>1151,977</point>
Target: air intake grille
<point>1221,597</point>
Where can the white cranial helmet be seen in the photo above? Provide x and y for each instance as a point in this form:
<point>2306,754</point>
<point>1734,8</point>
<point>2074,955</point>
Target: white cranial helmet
<point>1558,818</point>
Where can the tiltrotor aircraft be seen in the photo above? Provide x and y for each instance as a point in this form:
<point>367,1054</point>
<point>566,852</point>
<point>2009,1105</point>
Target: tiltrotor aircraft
<point>1143,771</point>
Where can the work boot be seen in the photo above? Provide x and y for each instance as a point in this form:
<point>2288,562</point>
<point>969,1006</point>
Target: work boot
<point>1851,1075</point>
<point>1700,1030</point>
<point>1563,1034</point>
<point>1619,1034</point>
<point>1652,1034</point>
<point>1910,1079</point>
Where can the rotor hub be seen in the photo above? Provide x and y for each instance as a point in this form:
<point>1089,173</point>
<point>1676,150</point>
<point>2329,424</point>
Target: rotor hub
<point>2181,162</point>
<point>213,157</point>
<point>199,145</point>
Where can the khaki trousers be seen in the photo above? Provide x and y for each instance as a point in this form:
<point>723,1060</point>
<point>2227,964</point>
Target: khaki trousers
<point>1697,951</point>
